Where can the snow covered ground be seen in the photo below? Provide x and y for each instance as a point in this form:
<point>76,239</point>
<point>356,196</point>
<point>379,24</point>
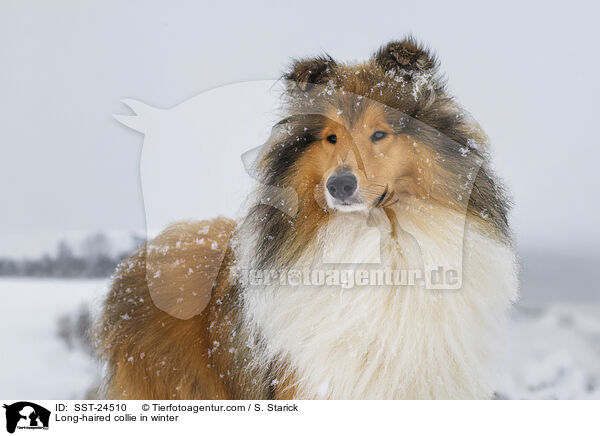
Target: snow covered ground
<point>36,362</point>
<point>552,352</point>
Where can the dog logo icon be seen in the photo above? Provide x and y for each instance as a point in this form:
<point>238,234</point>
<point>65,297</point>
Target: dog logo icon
<point>26,415</point>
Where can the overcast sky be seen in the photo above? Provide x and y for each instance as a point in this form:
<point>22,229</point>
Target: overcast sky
<point>528,72</point>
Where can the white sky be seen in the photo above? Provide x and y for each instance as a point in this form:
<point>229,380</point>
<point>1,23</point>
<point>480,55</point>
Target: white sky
<point>528,72</point>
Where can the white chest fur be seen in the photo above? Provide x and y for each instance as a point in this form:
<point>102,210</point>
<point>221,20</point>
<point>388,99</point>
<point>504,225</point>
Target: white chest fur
<point>389,341</point>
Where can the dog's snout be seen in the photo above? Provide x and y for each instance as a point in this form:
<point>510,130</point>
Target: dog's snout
<point>342,185</point>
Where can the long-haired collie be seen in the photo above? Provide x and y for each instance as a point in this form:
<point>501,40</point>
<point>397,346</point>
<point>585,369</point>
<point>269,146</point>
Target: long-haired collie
<point>374,261</point>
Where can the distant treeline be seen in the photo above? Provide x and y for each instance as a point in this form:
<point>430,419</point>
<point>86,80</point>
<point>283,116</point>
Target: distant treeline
<point>94,259</point>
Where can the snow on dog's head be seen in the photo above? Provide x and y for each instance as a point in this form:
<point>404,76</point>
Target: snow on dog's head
<point>378,145</point>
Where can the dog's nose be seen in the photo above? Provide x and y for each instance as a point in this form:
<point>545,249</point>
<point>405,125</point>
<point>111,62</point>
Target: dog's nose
<point>342,185</point>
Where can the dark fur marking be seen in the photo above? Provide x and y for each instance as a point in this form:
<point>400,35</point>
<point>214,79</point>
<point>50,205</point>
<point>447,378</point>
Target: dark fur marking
<point>405,55</point>
<point>308,72</point>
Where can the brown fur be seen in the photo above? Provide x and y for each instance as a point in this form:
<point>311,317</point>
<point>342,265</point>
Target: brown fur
<point>152,354</point>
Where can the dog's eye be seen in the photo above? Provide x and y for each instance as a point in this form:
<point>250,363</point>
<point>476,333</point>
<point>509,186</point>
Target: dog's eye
<point>378,135</point>
<point>332,139</point>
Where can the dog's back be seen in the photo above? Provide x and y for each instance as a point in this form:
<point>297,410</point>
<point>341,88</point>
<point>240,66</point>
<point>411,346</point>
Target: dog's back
<point>164,352</point>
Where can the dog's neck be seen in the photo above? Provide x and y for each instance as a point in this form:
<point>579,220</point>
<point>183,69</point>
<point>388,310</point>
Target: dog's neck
<point>386,341</point>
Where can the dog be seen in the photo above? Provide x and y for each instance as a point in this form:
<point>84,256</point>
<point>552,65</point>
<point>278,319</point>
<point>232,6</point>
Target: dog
<point>373,169</point>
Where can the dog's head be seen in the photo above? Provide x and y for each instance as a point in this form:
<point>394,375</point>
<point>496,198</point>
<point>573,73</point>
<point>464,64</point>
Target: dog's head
<point>373,135</point>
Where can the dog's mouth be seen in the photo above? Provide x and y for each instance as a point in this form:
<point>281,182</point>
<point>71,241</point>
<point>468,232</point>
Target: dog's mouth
<point>350,204</point>
<point>355,202</point>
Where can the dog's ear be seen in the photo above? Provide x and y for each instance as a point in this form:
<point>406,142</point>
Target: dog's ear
<point>405,55</point>
<point>305,73</point>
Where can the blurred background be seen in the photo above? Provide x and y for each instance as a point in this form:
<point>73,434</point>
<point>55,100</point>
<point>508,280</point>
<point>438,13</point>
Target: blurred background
<point>72,204</point>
